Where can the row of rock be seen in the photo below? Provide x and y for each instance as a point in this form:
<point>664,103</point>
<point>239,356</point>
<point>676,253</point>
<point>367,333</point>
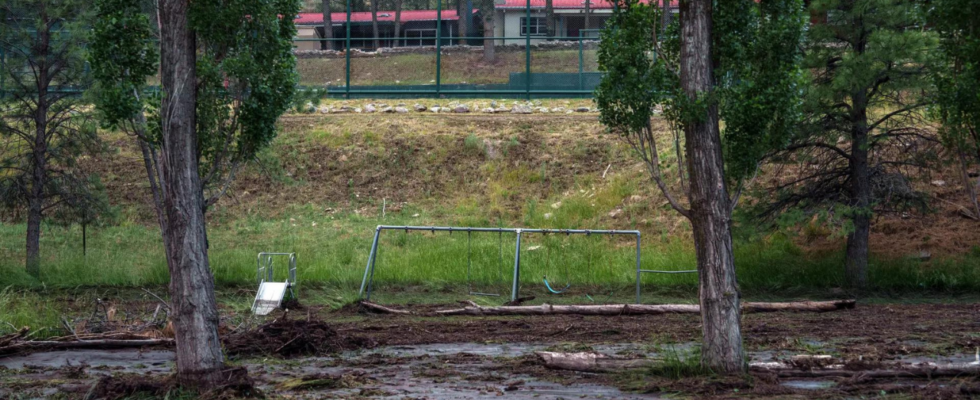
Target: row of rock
<point>459,108</point>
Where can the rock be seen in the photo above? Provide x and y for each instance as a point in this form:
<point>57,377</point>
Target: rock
<point>387,110</point>
<point>309,108</point>
<point>547,215</point>
<point>489,110</point>
<point>493,103</point>
<point>939,182</point>
<point>358,110</point>
<point>462,108</point>
<point>542,110</point>
<point>615,213</point>
<point>521,109</point>
<point>370,108</point>
<point>420,108</point>
<point>435,109</point>
<point>401,110</point>
<point>341,110</point>
<point>556,205</point>
<point>636,198</point>
<point>924,256</point>
<point>324,110</point>
<point>501,110</point>
<point>558,110</point>
<point>582,109</point>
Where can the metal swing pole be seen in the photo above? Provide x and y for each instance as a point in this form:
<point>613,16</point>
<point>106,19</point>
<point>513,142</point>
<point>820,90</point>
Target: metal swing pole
<point>369,269</point>
<point>517,268</point>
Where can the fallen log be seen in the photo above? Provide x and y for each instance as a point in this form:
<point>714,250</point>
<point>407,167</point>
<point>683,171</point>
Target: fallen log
<point>798,367</point>
<point>645,309</point>
<point>383,309</point>
<point>83,344</point>
<point>5,340</point>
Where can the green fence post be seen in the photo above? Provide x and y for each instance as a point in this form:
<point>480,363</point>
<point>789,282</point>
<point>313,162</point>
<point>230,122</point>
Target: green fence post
<point>347,52</point>
<point>581,60</point>
<point>438,47</point>
<point>527,51</point>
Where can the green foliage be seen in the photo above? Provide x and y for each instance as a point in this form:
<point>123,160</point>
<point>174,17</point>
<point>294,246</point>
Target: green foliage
<point>246,75</point>
<point>869,84</point>
<point>633,81</point>
<point>758,75</point>
<point>245,69</point>
<point>759,78</point>
<point>122,54</point>
<point>957,74</point>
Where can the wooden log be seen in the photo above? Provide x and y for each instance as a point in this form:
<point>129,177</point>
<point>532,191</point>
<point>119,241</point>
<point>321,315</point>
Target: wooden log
<point>798,367</point>
<point>5,340</point>
<point>591,362</point>
<point>644,309</point>
<point>383,309</point>
<point>83,344</point>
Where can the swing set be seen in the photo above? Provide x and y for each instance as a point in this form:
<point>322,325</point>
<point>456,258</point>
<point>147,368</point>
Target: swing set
<point>367,283</point>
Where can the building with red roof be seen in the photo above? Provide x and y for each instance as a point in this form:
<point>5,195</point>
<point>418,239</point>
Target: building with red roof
<point>418,27</point>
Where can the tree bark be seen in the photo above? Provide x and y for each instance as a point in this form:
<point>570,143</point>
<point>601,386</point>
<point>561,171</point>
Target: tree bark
<point>327,26</point>
<point>665,18</point>
<point>489,46</point>
<point>461,22</point>
<point>856,265</point>
<point>710,209</point>
<point>398,22</point>
<point>549,17</point>
<point>194,309</point>
<point>374,23</point>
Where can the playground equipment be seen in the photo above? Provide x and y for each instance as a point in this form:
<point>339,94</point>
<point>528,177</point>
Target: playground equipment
<point>271,294</point>
<point>368,281</point>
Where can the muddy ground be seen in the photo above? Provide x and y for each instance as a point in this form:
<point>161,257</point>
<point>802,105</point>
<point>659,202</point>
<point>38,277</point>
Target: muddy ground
<point>386,356</point>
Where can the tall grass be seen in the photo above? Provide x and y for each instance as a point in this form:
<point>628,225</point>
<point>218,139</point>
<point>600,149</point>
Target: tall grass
<point>333,250</point>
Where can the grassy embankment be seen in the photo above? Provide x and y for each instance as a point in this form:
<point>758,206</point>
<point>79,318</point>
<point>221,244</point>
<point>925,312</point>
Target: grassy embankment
<point>321,189</point>
<point>420,69</point>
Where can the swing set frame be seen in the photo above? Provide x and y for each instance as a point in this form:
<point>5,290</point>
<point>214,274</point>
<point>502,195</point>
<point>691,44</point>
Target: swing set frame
<point>367,282</point>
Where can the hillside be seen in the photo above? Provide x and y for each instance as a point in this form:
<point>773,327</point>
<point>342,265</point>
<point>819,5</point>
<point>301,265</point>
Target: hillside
<point>481,169</point>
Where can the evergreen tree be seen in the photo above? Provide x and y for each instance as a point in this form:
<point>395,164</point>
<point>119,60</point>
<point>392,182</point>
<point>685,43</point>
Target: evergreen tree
<point>869,63</point>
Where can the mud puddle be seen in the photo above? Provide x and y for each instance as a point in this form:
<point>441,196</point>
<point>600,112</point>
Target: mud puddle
<point>116,360</point>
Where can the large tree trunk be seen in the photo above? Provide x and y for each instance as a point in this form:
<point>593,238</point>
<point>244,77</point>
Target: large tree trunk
<point>710,209</point>
<point>398,22</point>
<point>489,46</point>
<point>194,309</point>
<point>374,24</point>
<point>549,17</point>
<point>856,265</point>
<point>327,26</point>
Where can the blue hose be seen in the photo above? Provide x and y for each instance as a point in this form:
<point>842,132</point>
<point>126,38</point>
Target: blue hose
<point>548,285</point>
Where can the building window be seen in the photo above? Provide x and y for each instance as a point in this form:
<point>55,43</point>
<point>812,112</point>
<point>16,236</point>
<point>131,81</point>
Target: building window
<point>539,26</point>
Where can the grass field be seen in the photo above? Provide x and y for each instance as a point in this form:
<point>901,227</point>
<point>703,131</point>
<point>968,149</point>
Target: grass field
<point>327,181</point>
<point>420,69</point>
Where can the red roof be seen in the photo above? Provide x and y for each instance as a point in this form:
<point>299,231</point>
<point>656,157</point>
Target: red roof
<point>383,16</point>
<point>565,4</point>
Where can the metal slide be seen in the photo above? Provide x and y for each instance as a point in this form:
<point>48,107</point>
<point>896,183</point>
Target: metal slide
<point>271,294</point>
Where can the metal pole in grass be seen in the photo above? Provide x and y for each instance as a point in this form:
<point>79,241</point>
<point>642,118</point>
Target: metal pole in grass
<point>527,60</point>
<point>438,47</point>
<point>517,268</point>
<point>347,56</point>
<point>370,263</point>
<point>638,268</point>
